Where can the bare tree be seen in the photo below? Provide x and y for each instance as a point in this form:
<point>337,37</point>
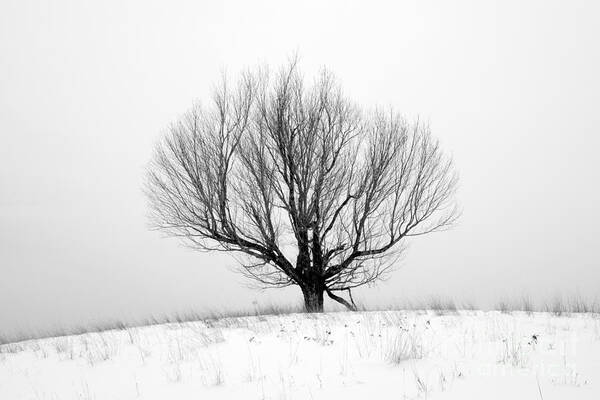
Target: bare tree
<point>308,188</point>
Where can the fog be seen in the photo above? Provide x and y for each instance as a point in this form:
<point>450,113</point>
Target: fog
<point>86,89</point>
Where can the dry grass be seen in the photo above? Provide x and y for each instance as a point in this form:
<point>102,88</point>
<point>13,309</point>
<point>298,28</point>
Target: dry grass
<point>402,347</point>
<point>441,306</point>
<point>177,318</point>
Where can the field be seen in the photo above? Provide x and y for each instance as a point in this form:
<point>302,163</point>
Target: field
<point>390,354</point>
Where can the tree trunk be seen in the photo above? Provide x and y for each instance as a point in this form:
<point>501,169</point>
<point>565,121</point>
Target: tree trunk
<point>313,297</point>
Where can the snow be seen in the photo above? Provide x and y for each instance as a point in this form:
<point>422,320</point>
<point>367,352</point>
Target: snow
<point>390,354</point>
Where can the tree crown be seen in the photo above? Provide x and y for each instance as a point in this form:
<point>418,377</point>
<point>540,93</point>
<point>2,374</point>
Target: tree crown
<point>275,169</point>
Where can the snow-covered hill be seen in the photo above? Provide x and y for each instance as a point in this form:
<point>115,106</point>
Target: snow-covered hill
<point>387,354</point>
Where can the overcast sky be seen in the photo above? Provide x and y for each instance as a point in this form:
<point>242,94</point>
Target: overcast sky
<point>511,88</point>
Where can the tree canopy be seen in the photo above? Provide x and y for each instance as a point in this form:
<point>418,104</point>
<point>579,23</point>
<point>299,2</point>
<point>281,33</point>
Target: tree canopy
<point>307,186</point>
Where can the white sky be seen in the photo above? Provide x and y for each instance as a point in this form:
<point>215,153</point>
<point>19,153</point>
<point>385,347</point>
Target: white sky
<point>511,88</point>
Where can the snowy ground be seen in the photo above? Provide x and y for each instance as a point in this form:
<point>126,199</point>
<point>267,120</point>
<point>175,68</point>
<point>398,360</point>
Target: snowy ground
<point>391,354</point>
